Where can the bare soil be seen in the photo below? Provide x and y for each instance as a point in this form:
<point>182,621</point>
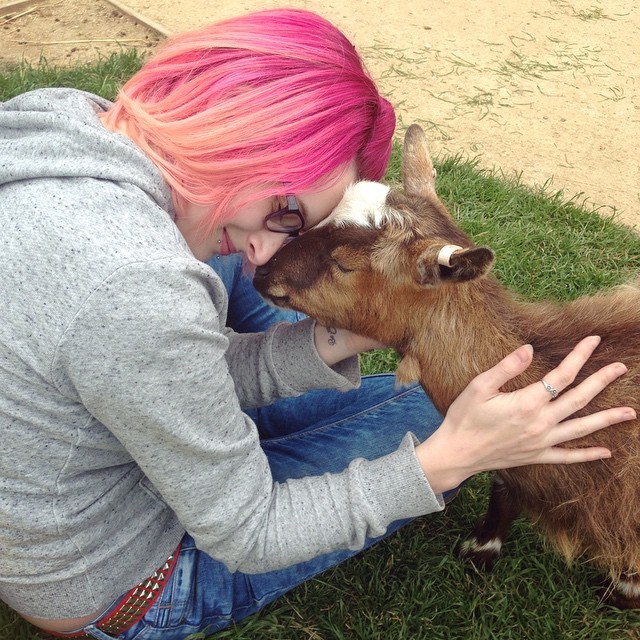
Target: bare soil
<point>68,31</point>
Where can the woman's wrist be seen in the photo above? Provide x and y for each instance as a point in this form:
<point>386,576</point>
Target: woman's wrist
<point>334,345</point>
<point>442,464</point>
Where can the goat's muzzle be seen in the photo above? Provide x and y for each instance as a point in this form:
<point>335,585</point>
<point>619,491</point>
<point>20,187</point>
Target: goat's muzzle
<point>262,271</point>
<point>261,279</point>
<point>266,288</point>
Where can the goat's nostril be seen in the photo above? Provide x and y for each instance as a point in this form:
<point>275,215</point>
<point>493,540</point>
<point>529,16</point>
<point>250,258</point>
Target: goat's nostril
<point>262,271</point>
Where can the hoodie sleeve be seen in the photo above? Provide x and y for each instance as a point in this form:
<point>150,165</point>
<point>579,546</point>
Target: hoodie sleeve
<point>283,362</point>
<point>147,357</point>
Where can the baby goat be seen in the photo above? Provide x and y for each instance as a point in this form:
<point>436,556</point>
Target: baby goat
<point>375,267</point>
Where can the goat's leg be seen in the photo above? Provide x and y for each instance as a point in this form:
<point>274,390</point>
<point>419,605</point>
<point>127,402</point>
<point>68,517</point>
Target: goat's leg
<point>484,545</point>
<point>623,593</point>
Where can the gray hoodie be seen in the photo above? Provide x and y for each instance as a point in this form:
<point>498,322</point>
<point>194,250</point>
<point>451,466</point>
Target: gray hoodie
<point>121,390</point>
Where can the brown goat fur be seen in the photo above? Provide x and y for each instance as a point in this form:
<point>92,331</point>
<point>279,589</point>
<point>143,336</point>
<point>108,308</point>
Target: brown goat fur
<point>449,324</point>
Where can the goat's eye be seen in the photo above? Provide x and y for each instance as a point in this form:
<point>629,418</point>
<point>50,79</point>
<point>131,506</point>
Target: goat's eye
<point>340,267</point>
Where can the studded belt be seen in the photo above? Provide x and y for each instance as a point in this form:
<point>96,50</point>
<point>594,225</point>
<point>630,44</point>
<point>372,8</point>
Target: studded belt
<point>133,605</point>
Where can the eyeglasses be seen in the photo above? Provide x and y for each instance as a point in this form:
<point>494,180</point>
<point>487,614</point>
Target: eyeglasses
<point>286,220</point>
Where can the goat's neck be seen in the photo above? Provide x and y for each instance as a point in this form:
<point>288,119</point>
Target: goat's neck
<point>459,331</point>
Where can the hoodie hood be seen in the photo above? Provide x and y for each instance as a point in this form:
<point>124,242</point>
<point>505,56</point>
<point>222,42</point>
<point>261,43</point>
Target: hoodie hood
<point>56,133</point>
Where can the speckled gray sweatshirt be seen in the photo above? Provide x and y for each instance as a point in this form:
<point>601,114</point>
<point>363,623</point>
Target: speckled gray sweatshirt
<point>121,390</point>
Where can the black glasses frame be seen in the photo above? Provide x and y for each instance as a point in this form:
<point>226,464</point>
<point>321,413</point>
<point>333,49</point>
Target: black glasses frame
<point>287,220</point>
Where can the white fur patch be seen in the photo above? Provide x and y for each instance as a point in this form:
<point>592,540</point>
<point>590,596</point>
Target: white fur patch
<point>472,544</point>
<point>628,588</point>
<point>363,205</point>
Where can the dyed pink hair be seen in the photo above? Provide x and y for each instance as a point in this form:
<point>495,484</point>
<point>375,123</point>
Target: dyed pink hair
<point>264,104</point>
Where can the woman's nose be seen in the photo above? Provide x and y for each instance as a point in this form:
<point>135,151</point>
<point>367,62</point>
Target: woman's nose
<point>262,246</point>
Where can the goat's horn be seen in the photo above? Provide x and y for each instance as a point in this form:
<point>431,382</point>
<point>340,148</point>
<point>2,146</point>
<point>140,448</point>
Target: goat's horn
<point>444,255</point>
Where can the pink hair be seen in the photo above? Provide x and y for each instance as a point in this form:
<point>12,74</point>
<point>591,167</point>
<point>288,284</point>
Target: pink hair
<point>264,104</point>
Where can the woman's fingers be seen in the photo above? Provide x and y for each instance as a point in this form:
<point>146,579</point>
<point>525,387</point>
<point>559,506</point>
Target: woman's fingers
<point>581,395</point>
<point>559,378</point>
<point>560,455</point>
<point>586,425</point>
<point>491,381</point>
<point>577,398</point>
<point>565,373</point>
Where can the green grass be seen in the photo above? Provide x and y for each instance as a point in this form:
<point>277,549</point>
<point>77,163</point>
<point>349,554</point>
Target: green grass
<point>412,586</point>
<point>102,78</point>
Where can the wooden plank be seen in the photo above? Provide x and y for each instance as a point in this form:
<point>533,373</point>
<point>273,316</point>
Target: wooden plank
<point>16,7</point>
<point>136,15</point>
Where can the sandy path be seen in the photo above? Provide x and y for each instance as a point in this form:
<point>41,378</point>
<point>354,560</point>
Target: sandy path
<point>551,91</point>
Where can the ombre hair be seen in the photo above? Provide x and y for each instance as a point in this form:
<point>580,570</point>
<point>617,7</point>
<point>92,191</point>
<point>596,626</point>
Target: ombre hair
<point>263,104</point>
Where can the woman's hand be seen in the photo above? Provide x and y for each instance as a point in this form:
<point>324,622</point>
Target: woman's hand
<point>334,345</point>
<point>485,429</point>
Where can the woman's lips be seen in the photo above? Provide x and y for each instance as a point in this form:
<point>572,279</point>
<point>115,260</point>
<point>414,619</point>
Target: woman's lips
<point>226,246</point>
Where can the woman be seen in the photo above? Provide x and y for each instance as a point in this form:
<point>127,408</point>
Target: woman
<point>161,473</point>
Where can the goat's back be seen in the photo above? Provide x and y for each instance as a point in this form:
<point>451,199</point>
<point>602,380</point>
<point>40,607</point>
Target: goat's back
<point>590,508</point>
<point>553,329</point>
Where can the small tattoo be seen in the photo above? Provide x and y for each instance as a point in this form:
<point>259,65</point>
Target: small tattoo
<point>332,335</point>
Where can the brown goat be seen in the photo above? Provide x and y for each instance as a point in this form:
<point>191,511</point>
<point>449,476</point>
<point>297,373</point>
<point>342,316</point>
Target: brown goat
<point>373,267</point>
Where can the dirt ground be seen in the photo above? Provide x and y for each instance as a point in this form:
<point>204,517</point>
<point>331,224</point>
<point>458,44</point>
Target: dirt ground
<point>549,90</point>
<point>68,31</point>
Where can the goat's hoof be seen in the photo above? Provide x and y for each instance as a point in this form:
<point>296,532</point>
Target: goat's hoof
<point>624,594</point>
<point>483,555</point>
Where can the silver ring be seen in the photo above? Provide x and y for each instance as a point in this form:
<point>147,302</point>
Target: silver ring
<point>551,389</point>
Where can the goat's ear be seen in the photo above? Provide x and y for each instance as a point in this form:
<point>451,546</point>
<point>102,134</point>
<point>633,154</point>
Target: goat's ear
<point>465,265</point>
<point>417,167</point>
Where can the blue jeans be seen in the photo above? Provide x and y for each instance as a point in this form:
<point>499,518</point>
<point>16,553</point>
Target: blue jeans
<point>319,432</point>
